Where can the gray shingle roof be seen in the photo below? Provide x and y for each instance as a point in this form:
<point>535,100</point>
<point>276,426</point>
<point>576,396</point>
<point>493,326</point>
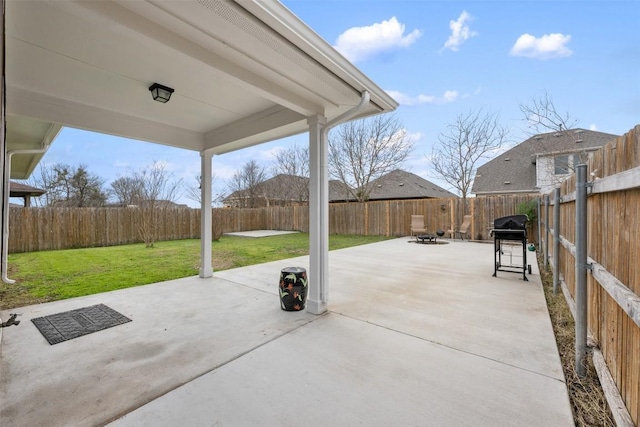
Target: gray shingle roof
<point>288,188</point>
<point>394,185</point>
<point>280,187</point>
<point>515,169</point>
<point>339,192</point>
<point>400,184</point>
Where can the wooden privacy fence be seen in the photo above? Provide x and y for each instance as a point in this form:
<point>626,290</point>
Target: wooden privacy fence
<point>613,250</point>
<point>39,229</point>
<point>393,217</point>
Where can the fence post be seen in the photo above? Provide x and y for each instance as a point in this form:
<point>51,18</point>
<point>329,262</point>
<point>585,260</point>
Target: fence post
<point>581,269</point>
<point>546,231</point>
<point>556,239</point>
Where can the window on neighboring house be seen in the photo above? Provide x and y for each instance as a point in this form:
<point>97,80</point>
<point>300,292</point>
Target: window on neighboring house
<point>561,165</point>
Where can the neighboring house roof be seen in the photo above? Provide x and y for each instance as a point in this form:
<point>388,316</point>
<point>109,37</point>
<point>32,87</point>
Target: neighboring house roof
<point>281,187</point>
<point>514,171</point>
<point>168,204</point>
<point>160,204</point>
<point>339,192</point>
<point>400,184</point>
<point>17,189</point>
<point>394,185</point>
<point>284,187</point>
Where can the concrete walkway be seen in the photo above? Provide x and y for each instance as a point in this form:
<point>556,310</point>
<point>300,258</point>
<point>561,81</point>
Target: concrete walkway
<point>415,335</point>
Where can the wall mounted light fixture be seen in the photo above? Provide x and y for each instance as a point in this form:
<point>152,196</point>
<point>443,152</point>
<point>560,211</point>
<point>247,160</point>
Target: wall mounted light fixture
<point>160,93</point>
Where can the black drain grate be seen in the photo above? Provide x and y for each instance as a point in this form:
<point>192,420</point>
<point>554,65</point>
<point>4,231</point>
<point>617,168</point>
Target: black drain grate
<point>60,327</point>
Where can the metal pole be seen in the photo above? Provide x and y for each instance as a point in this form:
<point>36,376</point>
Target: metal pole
<point>556,239</point>
<point>539,223</point>
<point>581,269</point>
<point>546,231</point>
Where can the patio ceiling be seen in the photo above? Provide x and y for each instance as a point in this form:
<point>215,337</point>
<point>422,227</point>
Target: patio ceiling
<point>244,72</point>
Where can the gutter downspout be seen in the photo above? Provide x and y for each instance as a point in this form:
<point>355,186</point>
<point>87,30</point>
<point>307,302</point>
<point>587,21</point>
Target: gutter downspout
<point>324,133</point>
<point>364,100</point>
<point>5,208</point>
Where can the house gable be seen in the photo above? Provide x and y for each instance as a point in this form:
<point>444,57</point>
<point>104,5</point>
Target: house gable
<point>530,167</point>
<point>400,184</point>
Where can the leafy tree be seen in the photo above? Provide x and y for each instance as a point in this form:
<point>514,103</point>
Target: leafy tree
<point>472,137</point>
<point>68,186</point>
<point>126,190</point>
<point>361,151</point>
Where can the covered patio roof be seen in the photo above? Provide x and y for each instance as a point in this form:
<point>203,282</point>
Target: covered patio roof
<point>244,72</point>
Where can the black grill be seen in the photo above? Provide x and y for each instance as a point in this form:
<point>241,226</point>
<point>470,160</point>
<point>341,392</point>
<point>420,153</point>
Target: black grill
<point>511,228</point>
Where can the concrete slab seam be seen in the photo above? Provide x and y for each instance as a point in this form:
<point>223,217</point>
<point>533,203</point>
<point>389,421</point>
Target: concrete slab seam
<point>563,381</point>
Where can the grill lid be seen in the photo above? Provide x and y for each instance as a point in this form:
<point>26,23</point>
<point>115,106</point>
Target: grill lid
<point>511,222</point>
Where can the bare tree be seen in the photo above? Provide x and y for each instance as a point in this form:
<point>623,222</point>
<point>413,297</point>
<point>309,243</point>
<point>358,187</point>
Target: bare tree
<point>156,187</point>
<point>361,151</point>
<point>195,192</point>
<point>472,137</point>
<point>44,179</point>
<point>68,186</point>
<point>542,117</point>
<point>293,161</point>
<point>244,185</point>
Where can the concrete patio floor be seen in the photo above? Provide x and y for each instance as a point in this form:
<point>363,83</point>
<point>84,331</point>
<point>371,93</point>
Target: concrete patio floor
<point>416,334</point>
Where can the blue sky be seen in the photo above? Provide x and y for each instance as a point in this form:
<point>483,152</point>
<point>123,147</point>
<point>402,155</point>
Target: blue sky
<point>439,59</point>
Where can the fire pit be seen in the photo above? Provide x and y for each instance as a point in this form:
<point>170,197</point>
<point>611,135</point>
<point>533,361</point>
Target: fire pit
<point>510,229</point>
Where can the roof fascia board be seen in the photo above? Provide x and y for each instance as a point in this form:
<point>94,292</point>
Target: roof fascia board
<point>46,141</point>
<point>55,110</point>
<point>279,17</point>
<point>572,151</point>
<point>267,136</point>
<point>498,192</point>
<point>264,121</point>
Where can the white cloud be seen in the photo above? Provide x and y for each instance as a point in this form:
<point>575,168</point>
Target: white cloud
<point>449,96</point>
<point>404,99</point>
<point>414,136</point>
<point>359,43</point>
<point>271,153</point>
<point>460,32</point>
<point>546,47</point>
<point>593,127</point>
<point>224,171</point>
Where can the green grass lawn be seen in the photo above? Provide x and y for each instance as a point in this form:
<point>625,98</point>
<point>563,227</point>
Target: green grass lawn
<point>55,275</point>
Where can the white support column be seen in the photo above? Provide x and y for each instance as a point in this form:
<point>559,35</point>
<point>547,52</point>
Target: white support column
<point>4,198</point>
<point>318,216</point>
<point>206,233</point>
